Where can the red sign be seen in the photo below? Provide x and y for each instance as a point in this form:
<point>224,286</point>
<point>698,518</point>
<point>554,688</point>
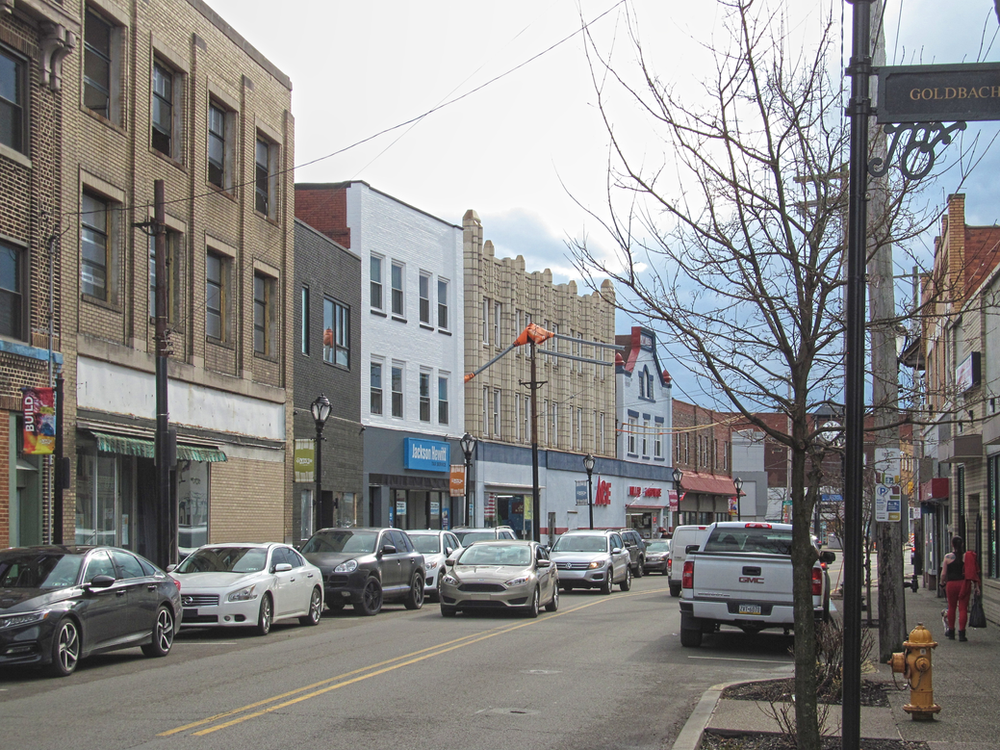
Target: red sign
<point>653,492</point>
<point>634,491</point>
<point>603,496</point>
<point>39,420</point>
<point>674,502</point>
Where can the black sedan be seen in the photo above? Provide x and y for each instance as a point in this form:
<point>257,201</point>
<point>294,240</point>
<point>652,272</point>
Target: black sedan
<point>61,604</point>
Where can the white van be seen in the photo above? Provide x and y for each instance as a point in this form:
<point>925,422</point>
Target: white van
<point>682,538</point>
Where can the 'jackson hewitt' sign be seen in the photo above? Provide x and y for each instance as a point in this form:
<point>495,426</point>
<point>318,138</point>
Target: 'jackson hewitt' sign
<point>427,455</point>
<point>939,93</point>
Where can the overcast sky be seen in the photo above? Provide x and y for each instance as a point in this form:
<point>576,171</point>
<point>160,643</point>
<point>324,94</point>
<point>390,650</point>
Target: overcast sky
<point>525,145</point>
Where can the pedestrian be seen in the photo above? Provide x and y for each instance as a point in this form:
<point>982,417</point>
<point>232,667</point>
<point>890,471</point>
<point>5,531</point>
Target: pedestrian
<point>960,573</point>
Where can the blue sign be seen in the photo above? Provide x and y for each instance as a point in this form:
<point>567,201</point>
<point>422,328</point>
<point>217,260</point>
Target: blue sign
<point>427,455</point>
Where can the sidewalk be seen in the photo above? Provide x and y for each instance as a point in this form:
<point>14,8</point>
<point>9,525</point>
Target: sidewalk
<point>966,685</point>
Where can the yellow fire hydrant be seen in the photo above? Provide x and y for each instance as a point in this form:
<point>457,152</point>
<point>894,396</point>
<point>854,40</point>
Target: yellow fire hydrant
<point>915,665</point>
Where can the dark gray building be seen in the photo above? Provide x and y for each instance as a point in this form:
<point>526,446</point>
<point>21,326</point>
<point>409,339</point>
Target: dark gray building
<point>327,362</point>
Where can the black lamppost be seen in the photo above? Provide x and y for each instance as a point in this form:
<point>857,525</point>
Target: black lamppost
<point>677,476</point>
<point>468,444</point>
<point>320,409</point>
<point>738,483</point>
<point>588,464</point>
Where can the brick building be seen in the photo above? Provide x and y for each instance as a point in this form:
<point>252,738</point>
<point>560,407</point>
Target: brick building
<point>167,90</point>
<point>327,362</point>
<point>35,37</point>
<point>703,454</point>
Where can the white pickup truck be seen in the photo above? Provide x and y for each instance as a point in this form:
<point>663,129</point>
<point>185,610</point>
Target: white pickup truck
<point>742,576</point>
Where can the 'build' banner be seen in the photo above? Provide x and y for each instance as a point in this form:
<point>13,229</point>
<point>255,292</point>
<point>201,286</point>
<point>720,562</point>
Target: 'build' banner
<point>39,420</point>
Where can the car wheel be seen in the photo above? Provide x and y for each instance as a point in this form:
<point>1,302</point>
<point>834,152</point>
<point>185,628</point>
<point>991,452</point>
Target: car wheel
<point>315,609</point>
<point>691,632</point>
<point>163,634</point>
<point>639,571</point>
<point>533,607</point>
<point>415,597</point>
<point>447,611</point>
<point>370,602</point>
<point>437,590</point>
<point>675,590</point>
<point>65,649</point>
<point>553,605</point>
<point>626,583</point>
<point>609,581</point>
<point>266,616</point>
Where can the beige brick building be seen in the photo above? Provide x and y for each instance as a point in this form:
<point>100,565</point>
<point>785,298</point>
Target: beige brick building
<point>576,404</point>
<point>166,90</point>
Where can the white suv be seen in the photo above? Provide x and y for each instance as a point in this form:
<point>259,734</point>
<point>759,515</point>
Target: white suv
<point>592,559</point>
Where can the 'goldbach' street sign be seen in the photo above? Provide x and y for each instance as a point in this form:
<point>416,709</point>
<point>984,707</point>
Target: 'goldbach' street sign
<point>939,93</point>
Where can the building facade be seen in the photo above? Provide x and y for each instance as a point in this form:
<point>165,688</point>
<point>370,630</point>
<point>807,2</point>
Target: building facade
<point>35,38</point>
<point>703,453</point>
<point>167,91</point>
<point>411,349</point>
<point>644,417</point>
<point>575,403</point>
<point>327,363</point>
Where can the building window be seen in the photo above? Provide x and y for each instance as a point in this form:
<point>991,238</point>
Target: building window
<point>443,304</point>
<point>11,297</point>
<point>264,315</point>
<point>600,445</point>
<point>166,110</point>
<point>99,66</point>
<point>304,326</point>
<point>658,441</point>
<point>265,179</point>
<point>397,391</point>
<point>216,284</point>
<point>497,317</point>
<point>579,427</point>
<point>425,298</point>
<point>486,411</point>
<point>517,417</point>
<point>486,320</point>
<point>95,246</point>
<point>642,385</point>
<point>397,290</point>
<point>632,429</point>
<point>336,333</point>
<point>555,424</point>
<point>12,100</point>
<point>171,242</point>
<point>376,283</point>
<point>376,388</point>
<point>220,146</point>
<point>442,400</point>
<point>527,419</point>
<point>496,412</point>
<point>425,397</point>
<point>645,439</point>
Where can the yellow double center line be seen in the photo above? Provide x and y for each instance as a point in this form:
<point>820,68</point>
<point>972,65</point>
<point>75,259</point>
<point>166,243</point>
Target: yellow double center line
<point>278,702</point>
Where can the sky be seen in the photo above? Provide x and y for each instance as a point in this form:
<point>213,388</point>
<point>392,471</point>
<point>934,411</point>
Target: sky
<point>524,145</point>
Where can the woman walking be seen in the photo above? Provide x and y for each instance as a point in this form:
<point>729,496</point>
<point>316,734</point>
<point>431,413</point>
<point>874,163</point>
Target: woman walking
<point>960,573</point>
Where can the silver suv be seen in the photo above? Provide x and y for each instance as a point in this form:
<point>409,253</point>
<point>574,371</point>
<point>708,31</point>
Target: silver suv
<point>592,559</point>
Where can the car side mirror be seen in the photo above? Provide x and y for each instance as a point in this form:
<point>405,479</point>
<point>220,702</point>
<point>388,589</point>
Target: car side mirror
<point>282,568</point>
<point>101,582</point>
<point>544,563</point>
<point>616,551</point>
<point>448,551</point>
<point>171,568</point>
<point>827,557</point>
<point>691,548</point>
<point>449,562</point>
<point>388,549</point>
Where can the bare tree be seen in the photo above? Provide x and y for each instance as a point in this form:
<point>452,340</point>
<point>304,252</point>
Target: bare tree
<point>734,244</point>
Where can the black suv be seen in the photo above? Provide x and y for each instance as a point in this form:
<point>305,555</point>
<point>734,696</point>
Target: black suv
<point>366,567</point>
<point>636,547</point>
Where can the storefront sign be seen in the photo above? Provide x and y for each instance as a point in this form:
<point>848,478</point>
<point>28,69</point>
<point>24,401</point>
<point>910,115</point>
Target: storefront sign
<point>39,420</point>
<point>426,455</point>
<point>603,494</point>
<point>305,460</point>
<point>457,484</point>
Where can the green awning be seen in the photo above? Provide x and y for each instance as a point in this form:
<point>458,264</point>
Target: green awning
<point>145,448</point>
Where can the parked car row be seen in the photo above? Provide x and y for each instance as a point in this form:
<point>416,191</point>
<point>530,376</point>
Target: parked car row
<point>60,604</point>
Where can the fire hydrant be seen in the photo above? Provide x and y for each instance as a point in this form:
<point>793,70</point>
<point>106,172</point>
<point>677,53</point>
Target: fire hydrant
<point>915,665</point>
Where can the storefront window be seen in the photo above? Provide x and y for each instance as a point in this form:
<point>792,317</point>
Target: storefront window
<point>95,500</point>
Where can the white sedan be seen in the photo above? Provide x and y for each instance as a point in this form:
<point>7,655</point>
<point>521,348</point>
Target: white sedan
<point>436,546</point>
<point>248,585</point>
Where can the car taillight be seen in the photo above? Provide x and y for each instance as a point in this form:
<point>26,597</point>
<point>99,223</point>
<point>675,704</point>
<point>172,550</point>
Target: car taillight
<point>757,526</point>
<point>687,580</point>
<point>670,566</point>
<point>176,583</point>
<point>817,582</point>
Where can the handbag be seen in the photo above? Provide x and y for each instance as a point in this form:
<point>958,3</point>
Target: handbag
<point>977,617</point>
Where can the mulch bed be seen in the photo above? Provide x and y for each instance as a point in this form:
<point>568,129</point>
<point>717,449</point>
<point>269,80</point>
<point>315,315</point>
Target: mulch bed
<point>776,742</point>
<point>781,691</point>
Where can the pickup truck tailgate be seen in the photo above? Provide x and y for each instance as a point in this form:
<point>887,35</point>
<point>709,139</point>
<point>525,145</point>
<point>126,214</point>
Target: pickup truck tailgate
<point>739,577</point>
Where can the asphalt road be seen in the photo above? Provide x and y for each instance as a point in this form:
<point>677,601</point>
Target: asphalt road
<point>603,672</point>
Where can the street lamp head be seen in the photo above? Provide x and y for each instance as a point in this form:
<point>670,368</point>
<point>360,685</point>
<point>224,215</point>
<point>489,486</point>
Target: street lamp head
<point>738,483</point>
<point>588,463</point>
<point>678,475</point>
<point>320,409</point>
<point>468,444</point>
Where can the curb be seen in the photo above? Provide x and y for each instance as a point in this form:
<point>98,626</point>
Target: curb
<point>694,727</point>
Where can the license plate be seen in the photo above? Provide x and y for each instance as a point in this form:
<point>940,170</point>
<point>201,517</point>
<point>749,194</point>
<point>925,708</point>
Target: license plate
<point>190,613</point>
<point>749,609</point>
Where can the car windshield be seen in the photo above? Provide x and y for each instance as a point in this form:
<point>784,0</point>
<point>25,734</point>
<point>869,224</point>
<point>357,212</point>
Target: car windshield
<point>39,570</point>
<point>426,544</point>
<point>663,546</point>
<point>224,560</point>
<point>580,544</point>
<point>468,537</point>
<point>755,539</point>
<point>495,554</point>
<point>342,540</point>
